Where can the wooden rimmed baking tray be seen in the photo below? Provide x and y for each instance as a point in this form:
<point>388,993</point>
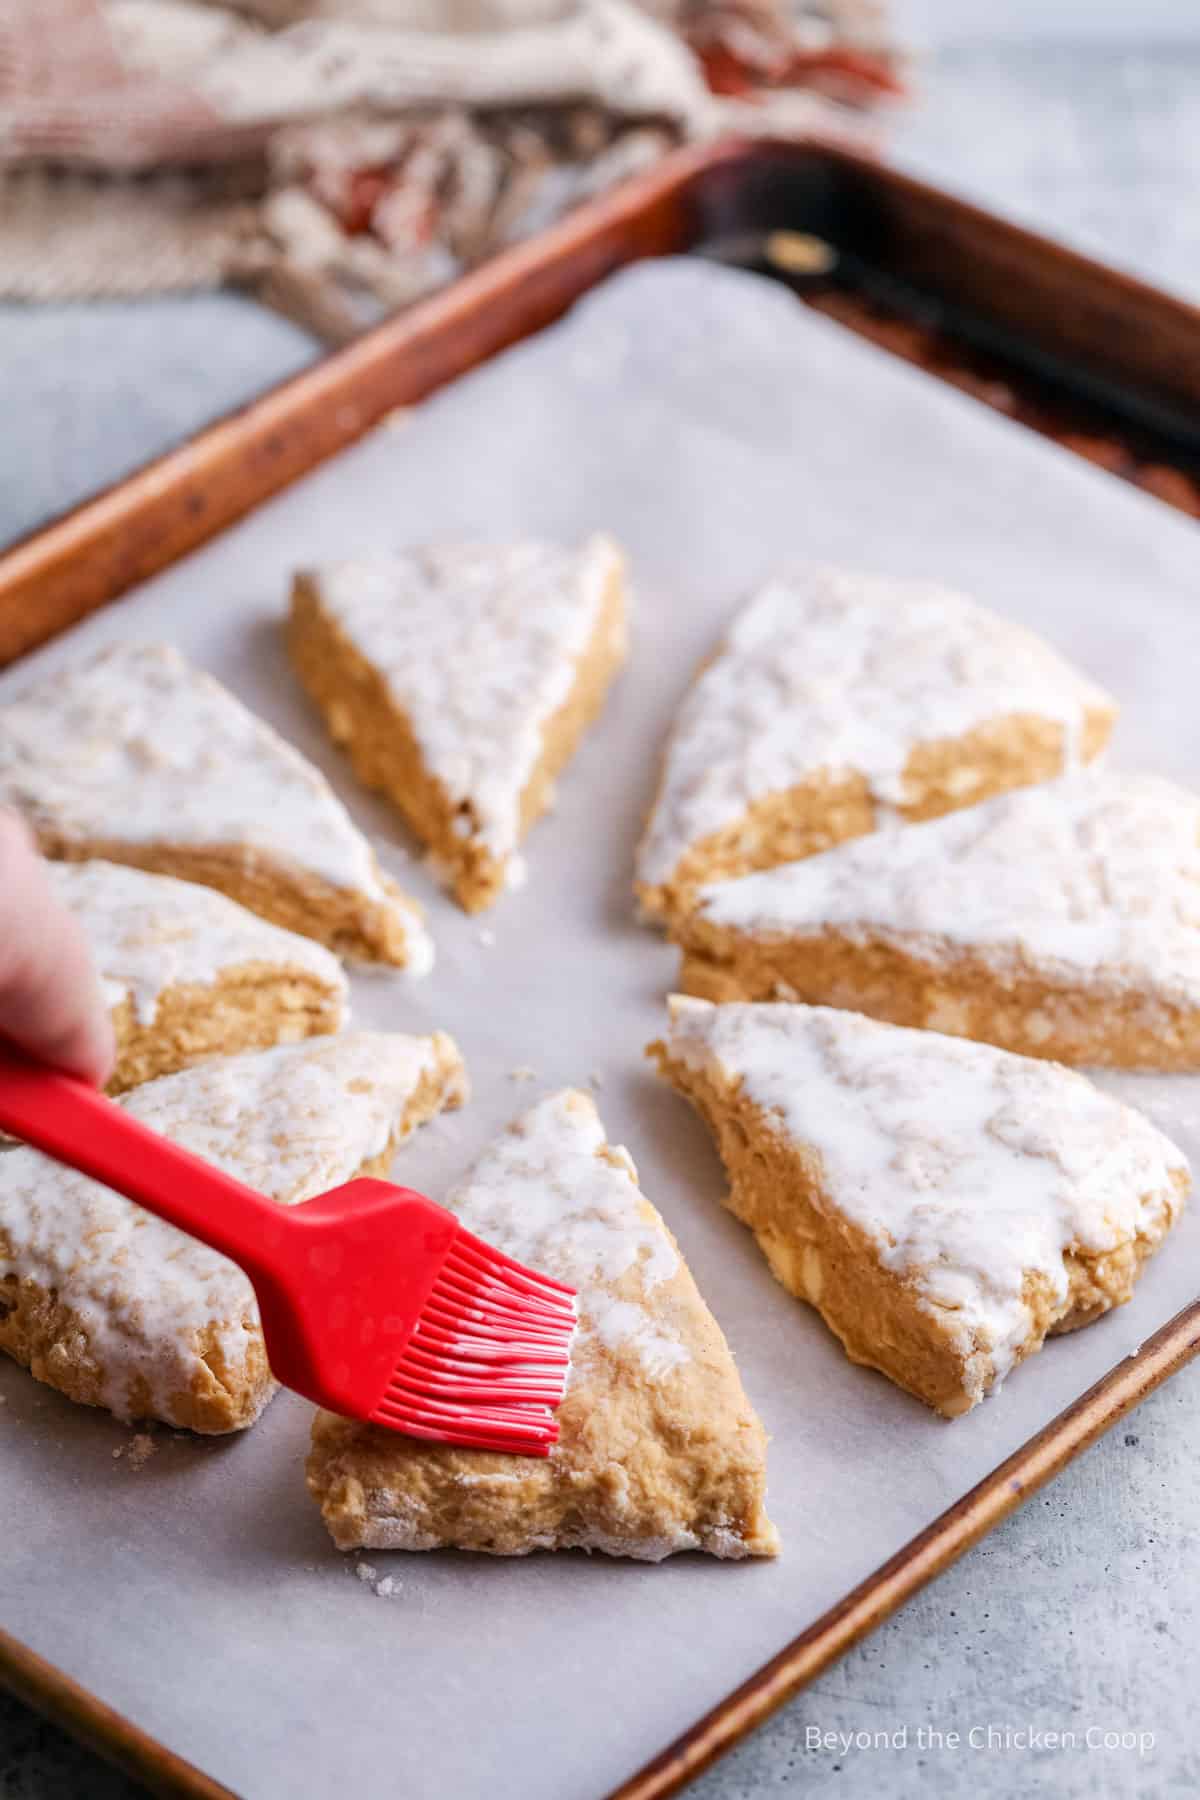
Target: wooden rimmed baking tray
<point>1102,363</point>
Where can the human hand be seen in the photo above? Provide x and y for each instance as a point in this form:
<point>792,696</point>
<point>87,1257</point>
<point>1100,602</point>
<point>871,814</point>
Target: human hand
<point>50,1000</point>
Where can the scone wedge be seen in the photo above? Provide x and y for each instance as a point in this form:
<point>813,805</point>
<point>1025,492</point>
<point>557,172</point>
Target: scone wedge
<point>460,679</point>
<point>659,1449</point>
<point>839,700</point>
<point>139,758</point>
<point>187,973</point>
<point>1060,921</point>
<point>117,1309</point>
<point>944,1205</point>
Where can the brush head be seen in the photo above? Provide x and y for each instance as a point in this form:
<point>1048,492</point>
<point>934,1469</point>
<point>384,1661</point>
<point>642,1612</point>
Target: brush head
<point>377,1304</point>
<point>488,1361</point>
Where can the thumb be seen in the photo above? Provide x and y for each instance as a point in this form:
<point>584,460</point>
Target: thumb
<point>50,1000</point>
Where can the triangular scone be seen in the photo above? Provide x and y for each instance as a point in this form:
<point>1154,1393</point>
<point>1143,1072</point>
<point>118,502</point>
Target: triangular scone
<point>944,1205</point>
<point>1059,921</point>
<point>460,678</point>
<point>139,758</point>
<point>189,974</point>
<point>659,1449</point>
<point>838,699</point>
<point>117,1309</point>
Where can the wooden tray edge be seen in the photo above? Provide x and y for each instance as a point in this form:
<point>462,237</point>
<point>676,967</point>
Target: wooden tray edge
<point>127,533</point>
<point>927,1555</point>
<point>109,1733</point>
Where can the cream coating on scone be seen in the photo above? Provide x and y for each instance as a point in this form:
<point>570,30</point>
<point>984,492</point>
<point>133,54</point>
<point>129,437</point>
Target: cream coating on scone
<point>836,696</point>
<point>139,757</point>
<point>944,1204</point>
<point>148,933</point>
<point>186,971</point>
<point>659,1449</point>
<point>460,677</point>
<point>1059,920</point>
<point>118,1309</point>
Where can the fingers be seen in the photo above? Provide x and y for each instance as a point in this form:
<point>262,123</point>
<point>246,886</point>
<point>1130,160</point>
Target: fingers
<point>50,1001</point>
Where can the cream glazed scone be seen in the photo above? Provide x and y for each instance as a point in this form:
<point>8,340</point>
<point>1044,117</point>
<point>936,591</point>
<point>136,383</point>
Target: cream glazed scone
<point>659,1449</point>
<point>1060,921</point>
<point>944,1205</point>
<point>187,973</point>
<point>460,678</point>
<point>838,700</point>
<point>137,757</point>
<point>114,1307</point>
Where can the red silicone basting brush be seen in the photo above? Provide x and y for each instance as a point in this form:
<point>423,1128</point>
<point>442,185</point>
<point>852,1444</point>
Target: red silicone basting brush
<point>375,1302</point>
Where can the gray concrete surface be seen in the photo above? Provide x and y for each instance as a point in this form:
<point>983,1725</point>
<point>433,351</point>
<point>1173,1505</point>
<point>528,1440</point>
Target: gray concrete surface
<point>1082,1614</point>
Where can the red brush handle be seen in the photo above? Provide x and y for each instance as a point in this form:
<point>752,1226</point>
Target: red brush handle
<point>76,1125</point>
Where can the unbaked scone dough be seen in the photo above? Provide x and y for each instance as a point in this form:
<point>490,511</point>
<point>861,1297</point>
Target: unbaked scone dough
<point>659,1449</point>
<point>187,973</point>
<point>1060,921</point>
<point>839,699</point>
<point>460,678</point>
<point>138,758</point>
<point>944,1205</point>
<point>114,1307</point>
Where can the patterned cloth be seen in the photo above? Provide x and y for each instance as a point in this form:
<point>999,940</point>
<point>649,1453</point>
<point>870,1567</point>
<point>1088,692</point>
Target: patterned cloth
<point>346,156</point>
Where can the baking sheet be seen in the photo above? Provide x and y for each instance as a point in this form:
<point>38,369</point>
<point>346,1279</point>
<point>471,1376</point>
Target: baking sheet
<point>716,427</point>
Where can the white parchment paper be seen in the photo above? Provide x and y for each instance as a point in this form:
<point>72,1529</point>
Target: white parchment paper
<point>716,427</point>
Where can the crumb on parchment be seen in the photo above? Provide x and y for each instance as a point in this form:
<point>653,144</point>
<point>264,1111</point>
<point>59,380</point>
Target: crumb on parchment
<point>137,1451</point>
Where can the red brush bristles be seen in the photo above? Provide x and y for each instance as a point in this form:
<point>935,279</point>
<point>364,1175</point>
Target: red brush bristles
<point>488,1361</point>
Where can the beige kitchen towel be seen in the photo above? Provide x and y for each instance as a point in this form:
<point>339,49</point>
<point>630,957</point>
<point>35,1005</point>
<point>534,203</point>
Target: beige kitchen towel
<point>345,156</point>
